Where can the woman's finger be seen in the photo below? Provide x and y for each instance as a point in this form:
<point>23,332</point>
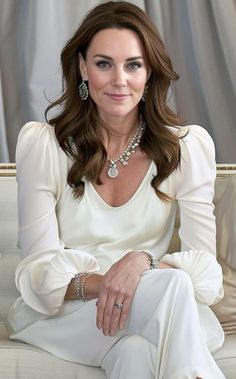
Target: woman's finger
<point>101,305</point>
<point>108,313</point>
<point>116,314</point>
<point>125,313</point>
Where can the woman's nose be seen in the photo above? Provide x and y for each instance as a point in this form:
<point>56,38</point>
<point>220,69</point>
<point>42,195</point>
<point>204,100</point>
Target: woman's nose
<point>119,78</point>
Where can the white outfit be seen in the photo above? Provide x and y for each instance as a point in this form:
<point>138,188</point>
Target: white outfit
<point>170,325</point>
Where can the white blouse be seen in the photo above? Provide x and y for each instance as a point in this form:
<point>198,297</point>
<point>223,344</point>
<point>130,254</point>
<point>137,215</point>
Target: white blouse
<point>60,235</point>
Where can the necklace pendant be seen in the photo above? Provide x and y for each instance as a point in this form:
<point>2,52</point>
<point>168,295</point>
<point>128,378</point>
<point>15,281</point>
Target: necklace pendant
<point>113,172</point>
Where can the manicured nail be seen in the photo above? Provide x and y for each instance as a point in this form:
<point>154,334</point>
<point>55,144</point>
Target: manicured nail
<point>99,325</point>
<point>121,326</point>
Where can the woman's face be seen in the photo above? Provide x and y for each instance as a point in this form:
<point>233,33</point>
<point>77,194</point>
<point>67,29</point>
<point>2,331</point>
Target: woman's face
<point>116,70</point>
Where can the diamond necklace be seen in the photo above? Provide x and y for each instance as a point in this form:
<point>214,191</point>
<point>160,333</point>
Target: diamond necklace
<point>124,157</point>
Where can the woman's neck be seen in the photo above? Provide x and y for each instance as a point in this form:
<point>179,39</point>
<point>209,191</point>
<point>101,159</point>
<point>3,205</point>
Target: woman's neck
<point>118,133</point>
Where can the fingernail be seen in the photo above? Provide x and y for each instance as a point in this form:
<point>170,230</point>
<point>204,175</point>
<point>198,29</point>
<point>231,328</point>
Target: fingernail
<point>121,326</point>
<point>106,332</point>
<point>99,325</point>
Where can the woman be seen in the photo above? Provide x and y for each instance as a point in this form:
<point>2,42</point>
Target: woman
<point>98,189</point>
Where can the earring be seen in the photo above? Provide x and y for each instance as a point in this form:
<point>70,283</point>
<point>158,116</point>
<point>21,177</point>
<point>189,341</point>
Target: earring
<point>83,90</point>
<point>144,97</point>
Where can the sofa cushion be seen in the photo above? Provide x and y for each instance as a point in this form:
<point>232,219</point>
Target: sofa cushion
<point>226,357</point>
<point>26,357</point>
<point>225,195</point>
<point>32,362</point>
<point>225,211</point>
<point>9,254</point>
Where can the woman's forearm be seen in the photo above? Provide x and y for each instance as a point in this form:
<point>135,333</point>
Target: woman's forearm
<point>92,285</point>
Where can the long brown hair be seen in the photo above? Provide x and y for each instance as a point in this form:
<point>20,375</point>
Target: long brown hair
<point>76,126</point>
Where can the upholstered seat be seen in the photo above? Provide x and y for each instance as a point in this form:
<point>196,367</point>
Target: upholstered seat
<point>19,360</point>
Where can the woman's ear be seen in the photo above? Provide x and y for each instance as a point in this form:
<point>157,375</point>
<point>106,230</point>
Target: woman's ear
<point>83,67</point>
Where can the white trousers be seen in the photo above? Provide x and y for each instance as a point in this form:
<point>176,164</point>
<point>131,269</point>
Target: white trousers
<point>162,338</point>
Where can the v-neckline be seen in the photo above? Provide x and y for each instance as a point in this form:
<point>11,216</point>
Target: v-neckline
<point>131,198</point>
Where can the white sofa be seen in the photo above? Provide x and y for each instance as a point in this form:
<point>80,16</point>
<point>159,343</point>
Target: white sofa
<point>21,361</point>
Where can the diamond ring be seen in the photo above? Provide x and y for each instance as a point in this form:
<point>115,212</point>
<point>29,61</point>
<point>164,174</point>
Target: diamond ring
<point>118,305</point>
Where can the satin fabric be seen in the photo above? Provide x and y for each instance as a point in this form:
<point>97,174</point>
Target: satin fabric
<point>60,236</point>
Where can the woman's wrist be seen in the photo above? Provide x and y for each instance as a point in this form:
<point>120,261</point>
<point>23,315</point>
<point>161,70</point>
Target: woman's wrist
<point>143,263</point>
<point>152,260</point>
<point>91,287</point>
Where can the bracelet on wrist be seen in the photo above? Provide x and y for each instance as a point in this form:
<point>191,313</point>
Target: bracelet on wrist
<point>79,284</point>
<point>82,286</point>
<point>152,259</point>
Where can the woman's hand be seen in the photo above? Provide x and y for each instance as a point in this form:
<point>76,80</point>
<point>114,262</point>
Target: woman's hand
<point>118,287</point>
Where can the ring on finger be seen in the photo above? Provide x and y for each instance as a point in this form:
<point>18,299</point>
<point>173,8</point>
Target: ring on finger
<point>118,305</point>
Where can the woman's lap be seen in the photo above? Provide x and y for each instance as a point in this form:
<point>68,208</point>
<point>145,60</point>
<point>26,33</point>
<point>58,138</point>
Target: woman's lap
<point>74,334</point>
<point>156,313</point>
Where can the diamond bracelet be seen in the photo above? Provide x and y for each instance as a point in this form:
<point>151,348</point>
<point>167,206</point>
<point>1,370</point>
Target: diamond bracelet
<point>152,259</point>
<point>79,283</point>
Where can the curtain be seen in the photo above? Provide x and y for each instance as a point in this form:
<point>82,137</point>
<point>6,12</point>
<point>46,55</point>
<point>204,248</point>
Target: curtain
<point>199,36</point>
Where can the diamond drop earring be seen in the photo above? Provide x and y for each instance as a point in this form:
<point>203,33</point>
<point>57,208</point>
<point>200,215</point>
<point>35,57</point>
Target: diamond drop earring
<point>144,97</point>
<point>83,90</point>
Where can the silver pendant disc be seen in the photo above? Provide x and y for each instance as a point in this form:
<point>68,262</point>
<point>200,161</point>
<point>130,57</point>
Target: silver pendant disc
<point>112,172</point>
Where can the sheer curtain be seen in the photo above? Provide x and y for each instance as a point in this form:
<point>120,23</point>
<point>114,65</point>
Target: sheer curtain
<point>199,36</point>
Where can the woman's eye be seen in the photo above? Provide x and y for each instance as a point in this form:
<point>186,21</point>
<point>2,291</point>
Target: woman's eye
<point>103,65</point>
<point>134,66</point>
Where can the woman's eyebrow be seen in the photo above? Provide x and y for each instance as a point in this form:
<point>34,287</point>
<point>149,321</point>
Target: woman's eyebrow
<point>111,59</point>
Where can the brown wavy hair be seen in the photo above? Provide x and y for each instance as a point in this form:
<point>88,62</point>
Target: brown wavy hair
<point>76,126</point>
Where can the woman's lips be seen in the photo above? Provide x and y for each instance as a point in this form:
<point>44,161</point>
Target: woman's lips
<point>117,97</point>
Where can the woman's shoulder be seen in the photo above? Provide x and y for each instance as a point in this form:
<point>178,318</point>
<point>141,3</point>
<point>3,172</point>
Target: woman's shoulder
<point>197,157</point>
<point>194,133</point>
<point>37,140</point>
<point>34,131</point>
<point>194,140</point>
<point>197,143</point>
<point>38,152</point>
<point>190,133</point>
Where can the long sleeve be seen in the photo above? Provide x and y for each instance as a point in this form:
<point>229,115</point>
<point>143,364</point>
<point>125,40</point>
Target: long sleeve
<point>47,266</point>
<point>193,182</point>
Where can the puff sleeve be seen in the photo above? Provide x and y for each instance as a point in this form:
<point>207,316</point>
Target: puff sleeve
<point>193,183</point>
<point>46,267</point>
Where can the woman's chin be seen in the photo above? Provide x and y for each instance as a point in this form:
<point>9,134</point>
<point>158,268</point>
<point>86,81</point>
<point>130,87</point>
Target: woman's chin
<point>120,111</point>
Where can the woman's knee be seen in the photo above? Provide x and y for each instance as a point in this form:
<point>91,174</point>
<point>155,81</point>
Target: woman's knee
<point>165,278</point>
<point>182,279</point>
<point>180,275</point>
<point>130,346</point>
<point>131,353</point>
